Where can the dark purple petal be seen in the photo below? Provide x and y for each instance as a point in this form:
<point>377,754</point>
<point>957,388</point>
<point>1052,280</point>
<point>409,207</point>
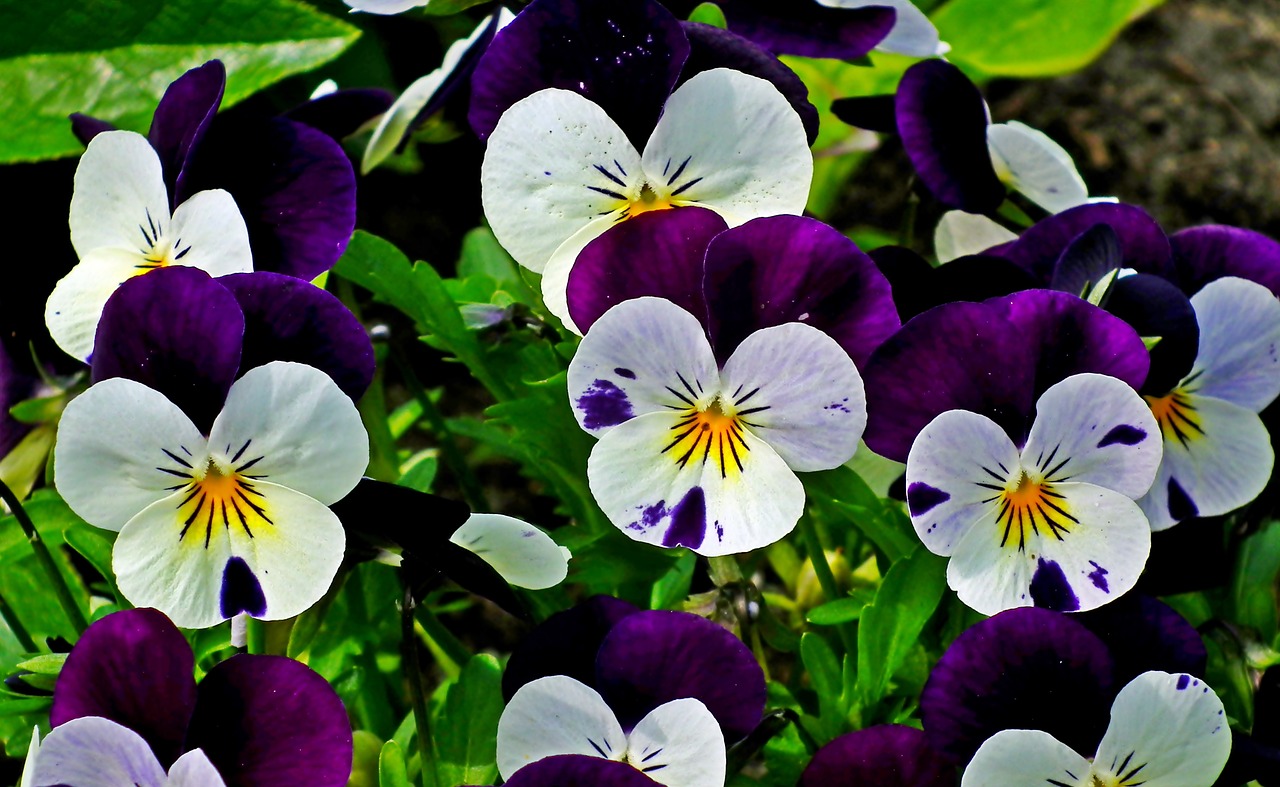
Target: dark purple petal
<point>658,253</point>
<point>342,112</point>
<point>1143,244</point>
<point>86,128</point>
<point>994,358</point>
<point>942,120</point>
<point>175,330</point>
<point>919,286</point>
<point>1156,307</point>
<point>288,319</point>
<point>873,113</point>
<point>1202,254</point>
<point>1143,633</point>
<point>809,29</point>
<point>576,770</point>
<point>181,120</point>
<point>651,658</point>
<point>381,515</point>
<point>565,644</point>
<point>783,269</point>
<point>271,720</point>
<point>1025,668</point>
<point>1087,260</point>
<point>887,755</point>
<point>1192,556</point>
<point>16,385</point>
<point>136,669</point>
<point>293,184</point>
<point>710,47</point>
<point>623,56</point>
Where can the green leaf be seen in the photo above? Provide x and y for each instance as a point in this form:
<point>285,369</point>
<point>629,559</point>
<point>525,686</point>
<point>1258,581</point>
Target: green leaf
<point>709,14</point>
<point>466,728</point>
<point>44,664</point>
<point>1033,38</point>
<point>94,545</point>
<point>841,496</point>
<point>1252,596</point>
<point>449,7</point>
<point>113,59</point>
<point>906,600</point>
<point>826,675</point>
<point>392,770</point>
<point>842,610</point>
<point>673,587</point>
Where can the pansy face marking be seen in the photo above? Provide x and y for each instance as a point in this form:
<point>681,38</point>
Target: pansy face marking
<point>704,457</point>
<point>121,227</point>
<point>1053,524</point>
<point>1217,453</point>
<point>1167,730</point>
<point>235,522</point>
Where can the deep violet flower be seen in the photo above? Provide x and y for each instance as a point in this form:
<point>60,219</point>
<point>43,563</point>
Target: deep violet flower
<point>887,755</point>
<point>666,689</point>
<point>293,183</point>
<point>842,29</point>
<point>259,720</point>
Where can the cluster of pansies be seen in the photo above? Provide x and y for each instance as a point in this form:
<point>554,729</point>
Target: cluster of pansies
<point>1061,385</point>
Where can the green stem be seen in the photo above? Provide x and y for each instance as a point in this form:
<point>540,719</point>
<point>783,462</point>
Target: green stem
<point>907,230</point>
<point>19,631</point>
<point>724,570</point>
<point>45,559</point>
<point>417,687</point>
<point>471,488</point>
<point>826,579</point>
<point>453,648</point>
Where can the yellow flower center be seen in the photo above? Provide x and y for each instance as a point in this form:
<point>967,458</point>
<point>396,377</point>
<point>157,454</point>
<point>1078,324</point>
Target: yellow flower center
<point>709,434</point>
<point>1176,415</point>
<point>1031,506</point>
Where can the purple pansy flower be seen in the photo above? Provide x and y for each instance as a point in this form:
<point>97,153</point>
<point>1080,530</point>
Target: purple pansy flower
<point>667,691</point>
<point>887,755</point>
<point>127,701</point>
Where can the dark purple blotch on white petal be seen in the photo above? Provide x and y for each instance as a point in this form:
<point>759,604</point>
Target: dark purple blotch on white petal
<point>1098,576</point>
<point>241,591</point>
<point>565,644</point>
<point>688,521</point>
<point>1123,434</point>
<point>135,668</point>
<point>604,404</point>
<point>1050,588</point>
<point>1181,506</point>
<point>886,755</point>
<point>922,498</point>
<point>651,658</point>
<point>808,28</point>
<point>1024,668</point>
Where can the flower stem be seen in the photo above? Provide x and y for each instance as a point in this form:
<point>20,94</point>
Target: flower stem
<point>826,579</point>
<point>417,687</point>
<point>19,631</point>
<point>45,559</point>
<point>452,647</point>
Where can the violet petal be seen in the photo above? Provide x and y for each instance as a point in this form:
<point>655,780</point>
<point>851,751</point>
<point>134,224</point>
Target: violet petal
<point>781,269</point>
<point>1143,633</point>
<point>919,286</point>
<point>86,128</point>
<point>623,56</point>
<point>1087,260</point>
<point>873,113</point>
<point>1143,244</point>
<point>1156,307</point>
<point>651,658</point>
<point>181,119</point>
<point>576,770</point>
<point>1025,668</point>
<point>887,755</point>
<point>658,253</point>
<point>175,330</point>
<point>809,29</point>
<point>565,644</point>
<point>287,319</point>
<point>271,720</point>
<point>134,668</point>
<point>1202,254</point>
<point>942,120</point>
<point>342,112</point>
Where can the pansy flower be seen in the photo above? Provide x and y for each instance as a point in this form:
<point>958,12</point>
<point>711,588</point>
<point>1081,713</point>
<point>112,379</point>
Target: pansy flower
<point>122,226</point>
<point>127,700</point>
<point>667,690</point>
<point>1167,730</point>
<point>1026,446</point>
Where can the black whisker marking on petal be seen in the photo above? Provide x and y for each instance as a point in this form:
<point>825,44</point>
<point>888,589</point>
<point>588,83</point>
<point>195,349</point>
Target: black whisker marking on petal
<point>759,409</point>
<point>1049,474</point>
<point>679,171</point>
<point>993,474</point>
<point>993,487</point>
<point>596,746</point>
<point>688,387</point>
<point>653,768</point>
<point>736,459</point>
<point>752,393</point>
<point>651,755</point>
<point>248,464</point>
<point>610,175</point>
<point>182,253</point>
<point>607,192</point>
<point>1123,765</point>
<point>175,458</point>
<point>620,169</point>
<point>1125,779</point>
<point>240,453</point>
<point>679,395</point>
<point>1052,454</point>
<point>679,439</point>
<point>177,473</point>
<point>256,509</point>
<point>686,186</point>
<point>666,166</point>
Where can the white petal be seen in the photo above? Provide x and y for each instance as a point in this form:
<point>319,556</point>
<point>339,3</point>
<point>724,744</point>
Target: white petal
<point>545,160</point>
<point>1220,464</point>
<point>193,769</point>
<point>1025,758</point>
<point>644,355</point>
<point>912,34</point>
<point>75,305</point>
<point>1239,355</point>
<point>679,744</point>
<point>1093,554</point>
<point>960,234</point>
<point>1095,429</point>
<point>209,233</point>
<point>732,143</point>
<point>121,447</point>
<point>555,277</point>
<point>1172,726</point>
<point>664,483</point>
<point>384,6</point>
<point>177,555</point>
<point>29,766</point>
<point>556,715</point>
<point>96,752</point>
<point>1035,165</point>
<point>956,466</point>
<point>119,194</point>
<point>800,392</point>
<point>306,431</point>
<point>524,555</point>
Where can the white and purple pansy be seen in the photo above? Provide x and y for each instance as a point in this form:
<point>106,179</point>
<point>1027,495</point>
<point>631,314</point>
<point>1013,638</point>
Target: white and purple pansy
<point>122,226</point>
<point>126,709</point>
<point>1167,730</point>
<point>1026,445</point>
<point>665,693</point>
<point>703,455</point>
